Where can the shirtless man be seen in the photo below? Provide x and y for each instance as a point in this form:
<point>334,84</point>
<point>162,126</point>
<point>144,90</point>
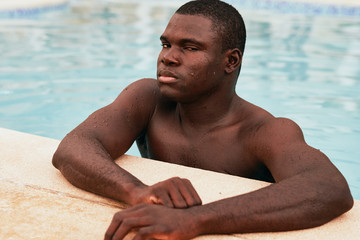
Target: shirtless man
<point>192,116</point>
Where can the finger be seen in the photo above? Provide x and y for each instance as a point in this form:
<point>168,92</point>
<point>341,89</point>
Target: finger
<point>126,226</point>
<point>189,194</point>
<point>176,197</point>
<point>118,218</point>
<point>162,198</point>
<point>116,221</point>
<point>150,232</point>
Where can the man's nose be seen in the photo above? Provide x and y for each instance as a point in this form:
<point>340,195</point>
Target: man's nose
<point>170,57</point>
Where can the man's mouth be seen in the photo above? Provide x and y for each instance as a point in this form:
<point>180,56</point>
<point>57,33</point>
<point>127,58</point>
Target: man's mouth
<point>166,77</point>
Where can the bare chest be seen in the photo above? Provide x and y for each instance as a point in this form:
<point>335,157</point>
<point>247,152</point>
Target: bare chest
<point>222,150</point>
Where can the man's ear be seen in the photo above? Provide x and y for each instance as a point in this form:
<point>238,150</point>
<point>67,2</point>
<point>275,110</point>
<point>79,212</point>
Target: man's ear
<point>233,60</point>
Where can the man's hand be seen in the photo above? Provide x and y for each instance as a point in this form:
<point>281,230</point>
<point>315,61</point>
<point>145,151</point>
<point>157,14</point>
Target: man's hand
<point>152,222</point>
<point>174,193</point>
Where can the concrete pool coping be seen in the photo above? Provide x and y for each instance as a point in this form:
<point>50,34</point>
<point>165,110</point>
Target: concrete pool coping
<point>36,201</point>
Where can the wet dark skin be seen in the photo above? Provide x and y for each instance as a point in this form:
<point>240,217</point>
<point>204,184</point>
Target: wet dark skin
<point>192,116</point>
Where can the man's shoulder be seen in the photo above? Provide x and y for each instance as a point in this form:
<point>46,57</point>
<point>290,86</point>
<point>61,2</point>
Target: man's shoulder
<point>282,126</point>
<point>141,91</point>
<point>265,130</point>
<point>266,123</point>
<point>142,86</point>
<point>253,116</point>
<point>275,132</point>
<point>142,97</point>
<point>271,128</point>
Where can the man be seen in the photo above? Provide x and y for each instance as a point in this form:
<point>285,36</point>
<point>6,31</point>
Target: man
<point>192,116</point>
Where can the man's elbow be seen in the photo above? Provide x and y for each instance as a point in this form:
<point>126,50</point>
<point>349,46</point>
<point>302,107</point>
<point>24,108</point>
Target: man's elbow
<point>348,203</point>
<point>60,156</point>
<point>64,152</point>
<point>345,200</point>
<point>56,160</point>
<point>329,205</point>
<point>341,199</point>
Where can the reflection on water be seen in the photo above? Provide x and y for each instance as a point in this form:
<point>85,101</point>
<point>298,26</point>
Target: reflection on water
<point>58,67</point>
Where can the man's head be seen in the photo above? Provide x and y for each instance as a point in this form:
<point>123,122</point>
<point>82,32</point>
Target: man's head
<point>227,21</point>
<point>202,53</point>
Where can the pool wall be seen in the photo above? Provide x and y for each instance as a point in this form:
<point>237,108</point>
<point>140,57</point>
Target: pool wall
<point>318,7</point>
<point>20,8</point>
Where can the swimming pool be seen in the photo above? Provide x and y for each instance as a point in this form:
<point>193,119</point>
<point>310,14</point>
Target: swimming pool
<point>58,66</point>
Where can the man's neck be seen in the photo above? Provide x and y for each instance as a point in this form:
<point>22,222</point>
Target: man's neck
<point>207,114</point>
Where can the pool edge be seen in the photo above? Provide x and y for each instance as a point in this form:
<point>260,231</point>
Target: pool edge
<point>31,156</point>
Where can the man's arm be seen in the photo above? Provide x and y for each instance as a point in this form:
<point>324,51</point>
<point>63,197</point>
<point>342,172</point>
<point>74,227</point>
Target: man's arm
<point>85,156</point>
<point>309,191</point>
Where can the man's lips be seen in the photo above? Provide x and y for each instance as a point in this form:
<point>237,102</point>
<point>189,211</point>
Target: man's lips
<point>166,77</point>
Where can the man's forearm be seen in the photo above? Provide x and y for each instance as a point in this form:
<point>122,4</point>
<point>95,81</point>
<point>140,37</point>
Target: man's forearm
<point>289,205</point>
<point>86,164</point>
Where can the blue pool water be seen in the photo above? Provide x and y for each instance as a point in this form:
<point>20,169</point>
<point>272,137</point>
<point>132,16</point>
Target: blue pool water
<point>58,66</point>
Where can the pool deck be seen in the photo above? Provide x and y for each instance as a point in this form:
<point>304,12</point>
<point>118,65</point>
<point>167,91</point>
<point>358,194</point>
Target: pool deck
<point>37,202</point>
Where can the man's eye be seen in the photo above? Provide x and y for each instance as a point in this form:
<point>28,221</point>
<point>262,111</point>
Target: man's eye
<point>165,45</point>
<point>191,48</point>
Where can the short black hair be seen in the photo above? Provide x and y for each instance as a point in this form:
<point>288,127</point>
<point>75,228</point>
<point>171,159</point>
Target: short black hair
<point>226,19</point>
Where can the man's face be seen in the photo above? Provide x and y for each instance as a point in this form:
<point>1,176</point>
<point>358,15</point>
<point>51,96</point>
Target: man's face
<point>191,62</point>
